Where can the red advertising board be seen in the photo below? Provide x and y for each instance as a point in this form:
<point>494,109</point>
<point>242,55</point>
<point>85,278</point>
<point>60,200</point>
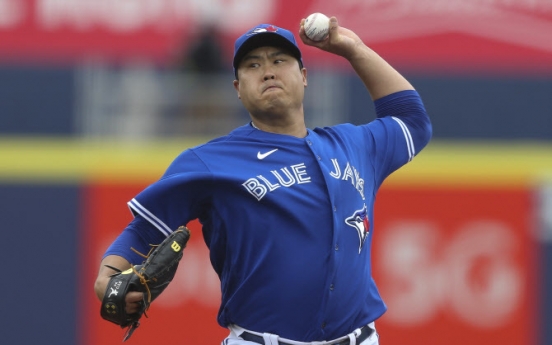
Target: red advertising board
<point>455,266</point>
<point>420,34</point>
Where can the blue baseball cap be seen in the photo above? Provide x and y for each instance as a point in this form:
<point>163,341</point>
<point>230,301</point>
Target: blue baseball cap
<point>265,35</point>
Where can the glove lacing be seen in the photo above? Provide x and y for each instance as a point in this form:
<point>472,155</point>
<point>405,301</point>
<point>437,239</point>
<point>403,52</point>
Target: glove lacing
<point>143,279</point>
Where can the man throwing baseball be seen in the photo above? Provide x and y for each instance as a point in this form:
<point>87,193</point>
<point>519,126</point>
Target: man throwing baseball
<point>287,211</point>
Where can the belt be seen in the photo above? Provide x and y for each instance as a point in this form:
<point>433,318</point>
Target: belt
<point>365,333</point>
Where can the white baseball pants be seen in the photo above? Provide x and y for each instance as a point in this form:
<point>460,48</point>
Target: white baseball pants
<point>273,339</point>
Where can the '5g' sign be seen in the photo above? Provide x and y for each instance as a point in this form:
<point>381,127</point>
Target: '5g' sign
<point>470,272</point>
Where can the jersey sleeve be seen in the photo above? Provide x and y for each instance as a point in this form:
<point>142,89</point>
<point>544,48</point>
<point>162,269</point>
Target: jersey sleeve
<point>181,194</point>
<point>402,129</point>
<point>139,235</point>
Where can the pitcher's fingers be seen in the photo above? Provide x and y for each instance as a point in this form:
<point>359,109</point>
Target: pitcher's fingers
<point>133,302</point>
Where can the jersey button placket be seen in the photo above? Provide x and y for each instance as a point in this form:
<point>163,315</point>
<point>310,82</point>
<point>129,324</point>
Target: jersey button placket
<point>317,156</point>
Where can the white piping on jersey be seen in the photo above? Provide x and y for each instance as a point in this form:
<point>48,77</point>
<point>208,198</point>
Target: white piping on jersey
<point>407,137</point>
<point>134,204</point>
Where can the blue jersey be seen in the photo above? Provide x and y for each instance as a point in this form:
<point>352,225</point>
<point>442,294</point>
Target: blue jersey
<point>289,221</point>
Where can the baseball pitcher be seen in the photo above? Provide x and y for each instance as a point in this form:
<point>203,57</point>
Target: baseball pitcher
<point>287,211</point>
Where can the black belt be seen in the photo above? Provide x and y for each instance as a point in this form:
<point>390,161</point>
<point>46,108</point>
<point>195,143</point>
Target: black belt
<point>365,333</point>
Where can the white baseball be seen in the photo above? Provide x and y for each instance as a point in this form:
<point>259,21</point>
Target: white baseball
<point>317,26</point>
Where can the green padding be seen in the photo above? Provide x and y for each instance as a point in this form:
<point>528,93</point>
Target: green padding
<point>74,161</point>
<point>442,162</point>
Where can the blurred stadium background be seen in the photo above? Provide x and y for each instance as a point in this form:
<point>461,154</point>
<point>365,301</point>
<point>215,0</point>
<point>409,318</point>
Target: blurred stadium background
<point>97,97</point>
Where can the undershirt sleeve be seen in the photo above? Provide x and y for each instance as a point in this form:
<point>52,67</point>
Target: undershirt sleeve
<point>401,131</point>
<point>407,106</point>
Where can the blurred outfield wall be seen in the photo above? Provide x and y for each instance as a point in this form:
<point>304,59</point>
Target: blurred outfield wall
<point>459,252</point>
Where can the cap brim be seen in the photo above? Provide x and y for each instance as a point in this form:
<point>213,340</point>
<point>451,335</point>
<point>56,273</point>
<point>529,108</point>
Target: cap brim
<point>265,39</point>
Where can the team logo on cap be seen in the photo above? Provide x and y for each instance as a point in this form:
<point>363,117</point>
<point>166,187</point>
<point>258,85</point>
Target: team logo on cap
<point>270,28</point>
<point>359,221</point>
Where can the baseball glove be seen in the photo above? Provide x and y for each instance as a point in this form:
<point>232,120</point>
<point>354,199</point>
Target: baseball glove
<point>150,278</point>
